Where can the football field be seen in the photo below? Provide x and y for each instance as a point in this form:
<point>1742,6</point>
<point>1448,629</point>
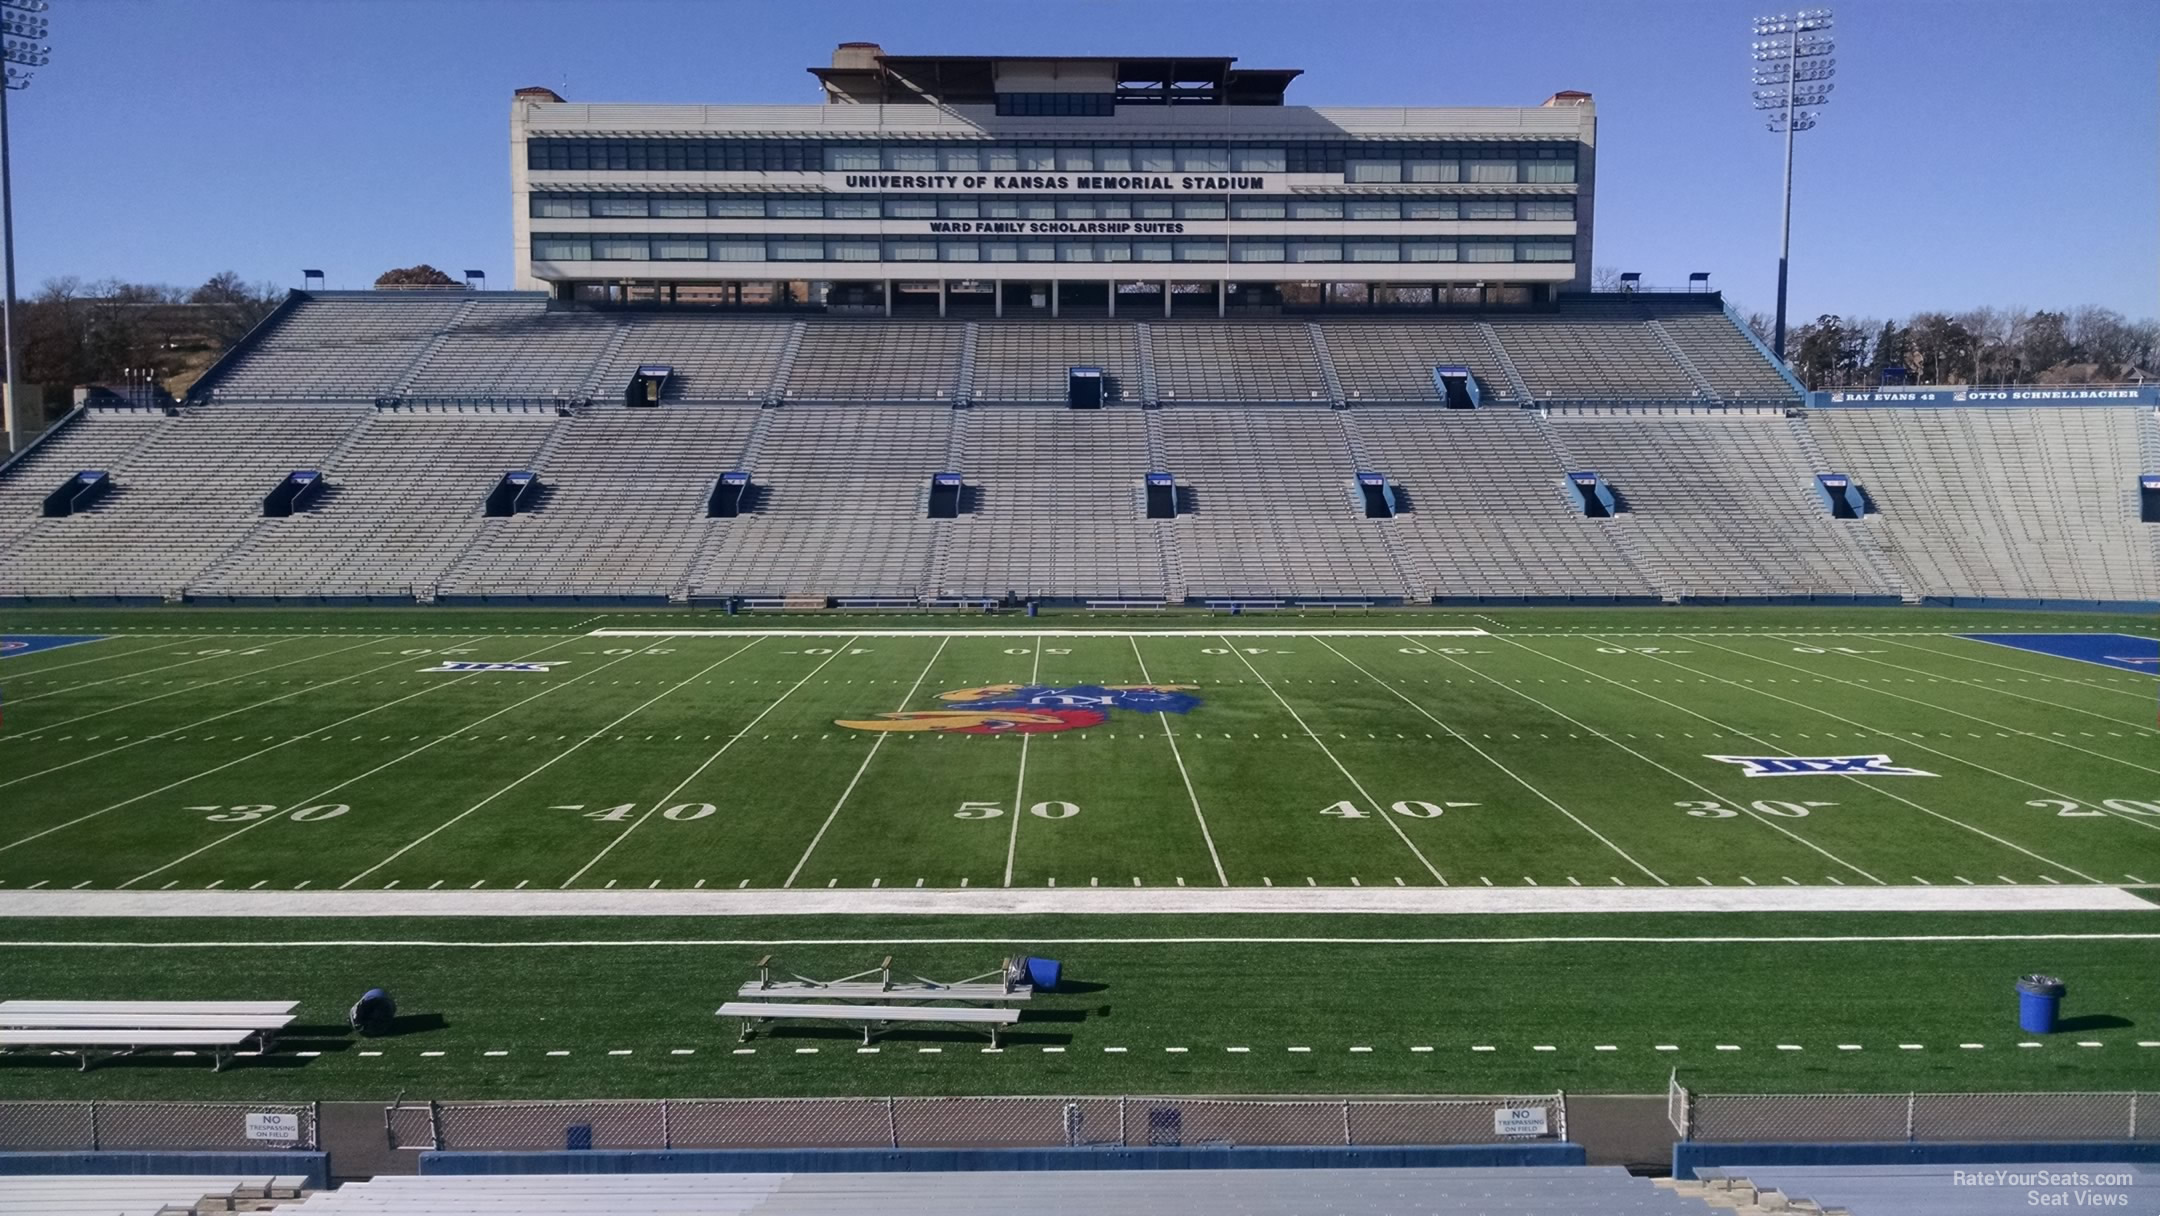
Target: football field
<point>1387,852</point>
<point>1787,748</point>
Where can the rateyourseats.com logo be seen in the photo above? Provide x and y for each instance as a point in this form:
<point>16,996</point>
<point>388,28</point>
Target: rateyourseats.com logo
<point>1808,766</point>
<point>2050,1189</point>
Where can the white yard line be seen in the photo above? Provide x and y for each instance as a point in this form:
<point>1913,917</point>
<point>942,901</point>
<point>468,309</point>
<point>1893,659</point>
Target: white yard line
<point>1741,805</point>
<point>1783,751</point>
<point>1511,774</point>
<point>544,765</point>
<point>1012,838</point>
<point>2067,658</point>
<point>1066,901</point>
<point>286,742</point>
<point>864,767</point>
<point>1936,675</point>
<point>45,727</point>
<point>150,671</point>
<point>1329,752</point>
<point>187,726</point>
<point>1170,737</point>
<point>2145,695</point>
<point>36,672</point>
<point>699,771</point>
<point>1905,740</point>
<point>441,738</point>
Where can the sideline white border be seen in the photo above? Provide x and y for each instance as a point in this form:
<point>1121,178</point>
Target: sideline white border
<point>1062,901</point>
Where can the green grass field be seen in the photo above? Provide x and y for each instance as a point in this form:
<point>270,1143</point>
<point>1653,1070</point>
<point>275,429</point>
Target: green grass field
<point>1525,755</point>
<point>274,751</point>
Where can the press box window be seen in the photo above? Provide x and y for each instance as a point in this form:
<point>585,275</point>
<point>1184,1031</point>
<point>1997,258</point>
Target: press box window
<point>851,209</point>
<point>1374,209</point>
<point>738,249</point>
<point>621,249</point>
<point>795,249</point>
<point>1056,105</point>
<point>910,208</point>
<point>679,206</point>
<point>561,206</point>
<point>561,249</point>
<point>913,160</point>
<point>796,208</point>
<point>621,206</point>
<point>679,248</point>
<point>853,251</point>
<point>735,208</point>
<point>852,158</point>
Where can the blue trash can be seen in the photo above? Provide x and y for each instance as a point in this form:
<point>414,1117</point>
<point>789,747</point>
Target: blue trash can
<point>2039,1000</point>
<point>1043,973</point>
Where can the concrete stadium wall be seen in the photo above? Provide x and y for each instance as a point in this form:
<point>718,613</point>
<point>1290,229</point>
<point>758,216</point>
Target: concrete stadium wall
<point>314,1166</point>
<point>1688,1155</point>
<point>828,1161</point>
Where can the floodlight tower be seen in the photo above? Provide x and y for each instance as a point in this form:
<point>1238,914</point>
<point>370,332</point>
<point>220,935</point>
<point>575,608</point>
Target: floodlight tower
<point>22,48</point>
<point>1793,68</point>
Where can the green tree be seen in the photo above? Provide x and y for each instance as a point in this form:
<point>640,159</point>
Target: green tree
<point>422,275</point>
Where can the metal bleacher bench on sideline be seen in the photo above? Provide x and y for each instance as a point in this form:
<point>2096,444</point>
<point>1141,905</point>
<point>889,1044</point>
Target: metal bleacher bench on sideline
<point>81,1028</point>
<point>767,999</point>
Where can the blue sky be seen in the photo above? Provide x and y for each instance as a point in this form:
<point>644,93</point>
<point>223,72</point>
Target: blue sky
<point>1975,153</point>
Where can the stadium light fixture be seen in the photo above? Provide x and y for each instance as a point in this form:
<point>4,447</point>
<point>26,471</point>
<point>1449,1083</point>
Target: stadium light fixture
<point>23,48</point>
<point>1793,67</point>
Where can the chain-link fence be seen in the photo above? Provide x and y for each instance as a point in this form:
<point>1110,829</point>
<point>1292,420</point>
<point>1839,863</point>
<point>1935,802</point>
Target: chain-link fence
<point>1009,1122</point>
<point>1914,1116</point>
<point>77,1126</point>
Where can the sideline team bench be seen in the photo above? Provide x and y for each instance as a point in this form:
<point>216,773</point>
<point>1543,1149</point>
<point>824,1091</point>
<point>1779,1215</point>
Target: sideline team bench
<point>899,1001</point>
<point>83,1028</point>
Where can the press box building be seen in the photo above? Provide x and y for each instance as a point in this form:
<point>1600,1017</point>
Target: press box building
<point>984,185</point>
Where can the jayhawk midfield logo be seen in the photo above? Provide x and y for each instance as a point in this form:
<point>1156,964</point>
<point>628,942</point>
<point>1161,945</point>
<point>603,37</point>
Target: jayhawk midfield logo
<point>1030,709</point>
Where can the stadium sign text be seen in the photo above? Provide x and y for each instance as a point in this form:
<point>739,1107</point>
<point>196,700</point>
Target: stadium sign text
<point>1070,183</point>
<point>1060,227</point>
<point>1807,766</point>
<point>2128,394</point>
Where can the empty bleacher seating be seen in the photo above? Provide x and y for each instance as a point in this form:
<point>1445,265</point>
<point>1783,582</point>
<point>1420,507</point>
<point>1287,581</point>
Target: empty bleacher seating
<point>623,509</point>
<point>1487,517</point>
<point>877,361</point>
<point>1273,511</point>
<point>841,506</point>
<point>405,499</point>
<point>183,496</point>
<point>1027,362</point>
<point>2015,503</point>
<point>1392,361</point>
<point>1723,504</point>
<point>414,404</point>
<point>1059,512</point>
<point>1215,362</point>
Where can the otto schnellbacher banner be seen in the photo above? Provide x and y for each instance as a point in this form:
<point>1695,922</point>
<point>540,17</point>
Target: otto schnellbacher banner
<point>1958,394</point>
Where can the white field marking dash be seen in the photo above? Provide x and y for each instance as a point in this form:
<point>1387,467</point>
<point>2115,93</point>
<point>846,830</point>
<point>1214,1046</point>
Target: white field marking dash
<point>1191,795</point>
<point>1489,758</point>
<point>323,795</point>
<point>1908,738</point>
<point>543,766</point>
<point>699,771</point>
<point>1012,837</point>
<point>864,767</point>
<point>1333,759</point>
<point>83,818</point>
<point>1743,806</point>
